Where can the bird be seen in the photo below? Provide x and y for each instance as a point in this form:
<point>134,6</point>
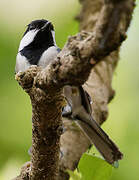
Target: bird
<point>38,47</point>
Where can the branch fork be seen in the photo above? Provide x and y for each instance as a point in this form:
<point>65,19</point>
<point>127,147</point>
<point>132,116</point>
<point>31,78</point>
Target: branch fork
<point>94,52</point>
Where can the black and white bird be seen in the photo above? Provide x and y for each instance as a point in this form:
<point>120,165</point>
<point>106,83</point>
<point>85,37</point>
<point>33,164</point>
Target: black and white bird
<point>38,47</point>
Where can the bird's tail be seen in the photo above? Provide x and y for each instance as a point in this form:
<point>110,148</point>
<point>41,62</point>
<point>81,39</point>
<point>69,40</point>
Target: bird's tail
<point>101,140</point>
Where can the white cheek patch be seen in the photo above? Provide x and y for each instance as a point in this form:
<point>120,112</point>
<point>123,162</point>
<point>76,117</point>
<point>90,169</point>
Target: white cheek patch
<point>53,34</point>
<point>28,38</point>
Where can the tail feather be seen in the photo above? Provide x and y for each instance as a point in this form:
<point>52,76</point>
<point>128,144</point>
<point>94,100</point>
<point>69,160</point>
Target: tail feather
<point>101,140</point>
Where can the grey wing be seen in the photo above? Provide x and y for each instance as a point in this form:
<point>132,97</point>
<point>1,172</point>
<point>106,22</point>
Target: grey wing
<point>86,100</point>
<point>80,111</point>
<point>78,102</point>
<point>76,98</point>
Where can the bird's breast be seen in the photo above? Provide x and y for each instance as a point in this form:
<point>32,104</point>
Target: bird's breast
<point>48,56</point>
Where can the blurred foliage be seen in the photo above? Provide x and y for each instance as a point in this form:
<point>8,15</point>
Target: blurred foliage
<point>92,167</point>
<point>74,175</point>
<point>15,108</point>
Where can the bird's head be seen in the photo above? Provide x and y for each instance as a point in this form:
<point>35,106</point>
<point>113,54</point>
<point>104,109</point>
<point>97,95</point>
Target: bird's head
<point>39,34</point>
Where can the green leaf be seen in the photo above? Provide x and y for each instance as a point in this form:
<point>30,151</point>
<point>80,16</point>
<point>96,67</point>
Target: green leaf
<point>94,168</point>
<point>74,175</point>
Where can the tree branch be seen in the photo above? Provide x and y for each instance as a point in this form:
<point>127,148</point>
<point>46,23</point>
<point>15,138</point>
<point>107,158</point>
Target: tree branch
<point>103,35</point>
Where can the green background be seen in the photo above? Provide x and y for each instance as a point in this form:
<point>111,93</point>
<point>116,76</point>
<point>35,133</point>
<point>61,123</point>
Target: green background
<point>15,108</point>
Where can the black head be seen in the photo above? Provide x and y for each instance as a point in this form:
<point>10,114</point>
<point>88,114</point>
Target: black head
<point>38,37</point>
<point>42,25</point>
<point>39,33</point>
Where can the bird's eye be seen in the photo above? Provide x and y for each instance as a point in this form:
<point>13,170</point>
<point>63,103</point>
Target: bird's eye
<point>31,27</point>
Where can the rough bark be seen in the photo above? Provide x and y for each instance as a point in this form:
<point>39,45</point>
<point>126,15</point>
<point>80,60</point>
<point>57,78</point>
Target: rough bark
<point>93,51</point>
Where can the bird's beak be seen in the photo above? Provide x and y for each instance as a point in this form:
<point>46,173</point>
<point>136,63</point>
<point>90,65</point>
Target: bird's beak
<point>44,27</point>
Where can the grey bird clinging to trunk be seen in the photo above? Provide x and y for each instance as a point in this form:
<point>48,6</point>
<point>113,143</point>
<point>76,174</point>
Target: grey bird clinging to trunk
<point>38,47</point>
